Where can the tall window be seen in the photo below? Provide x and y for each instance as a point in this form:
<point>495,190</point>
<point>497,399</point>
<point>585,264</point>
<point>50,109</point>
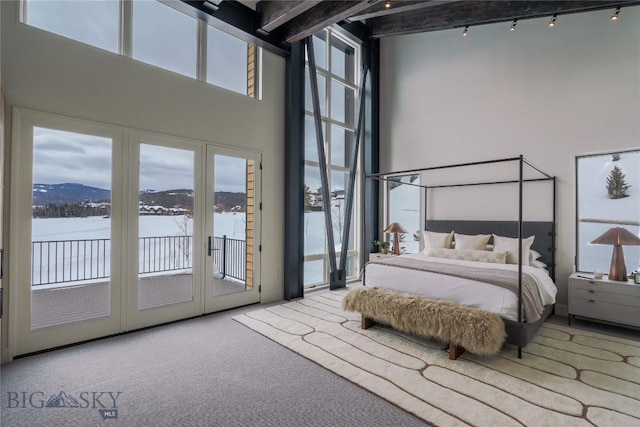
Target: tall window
<point>92,22</point>
<point>403,207</point>
<point>337,60</point>
<point>165,37</point>
<point>159,35</point>
<point>227,59</point>
<point>608,195</point>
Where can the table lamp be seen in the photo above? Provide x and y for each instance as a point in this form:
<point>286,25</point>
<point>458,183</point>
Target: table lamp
<point>618,237</point>
<point>395,228</point>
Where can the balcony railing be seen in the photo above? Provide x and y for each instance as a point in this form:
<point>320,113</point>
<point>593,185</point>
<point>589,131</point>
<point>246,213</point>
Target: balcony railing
<point>229,256</point>
<point>65,261</point>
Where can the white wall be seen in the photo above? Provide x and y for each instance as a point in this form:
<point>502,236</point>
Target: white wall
<point>45,72</point>
<point>547,93</point>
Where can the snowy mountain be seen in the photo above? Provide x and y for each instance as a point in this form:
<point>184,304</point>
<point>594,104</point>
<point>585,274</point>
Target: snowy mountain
<point>68,193</point>
<point>45,194</point>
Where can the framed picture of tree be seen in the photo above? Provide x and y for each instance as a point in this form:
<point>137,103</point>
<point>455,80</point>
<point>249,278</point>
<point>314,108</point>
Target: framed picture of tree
<point>607,196</point>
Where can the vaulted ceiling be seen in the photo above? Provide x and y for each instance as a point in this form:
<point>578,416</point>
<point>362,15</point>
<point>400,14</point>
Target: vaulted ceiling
<point>294,20</point>
<point>288,21</point>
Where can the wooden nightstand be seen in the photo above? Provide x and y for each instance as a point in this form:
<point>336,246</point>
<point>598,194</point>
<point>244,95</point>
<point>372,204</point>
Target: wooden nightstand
<point>379,255</point>
<point>604,299</point>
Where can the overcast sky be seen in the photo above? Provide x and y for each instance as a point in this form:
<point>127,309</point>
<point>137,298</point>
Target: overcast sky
<point>61,157</point>
<point>161,36</point>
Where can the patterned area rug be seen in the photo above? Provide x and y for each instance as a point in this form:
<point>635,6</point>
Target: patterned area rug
<point>566,377</point>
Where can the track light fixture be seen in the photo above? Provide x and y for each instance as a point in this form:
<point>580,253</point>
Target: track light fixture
<point>211,5</point>
<point>466,31</point>
<point>387,4</point>
<point>552,23</point>
<point>614,17</point>
<point>513,25</point>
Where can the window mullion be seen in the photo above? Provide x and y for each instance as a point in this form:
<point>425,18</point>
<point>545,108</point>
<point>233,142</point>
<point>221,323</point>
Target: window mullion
<point>201,64</point>
<point>125,35</point>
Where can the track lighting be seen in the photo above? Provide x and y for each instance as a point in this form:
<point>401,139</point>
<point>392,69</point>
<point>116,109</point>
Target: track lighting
<point>466,31</point>
<point>552,23</point>
<point>387,4</point>
<point>211,5</point>
<point>513,25</point>
<point>614,17</point>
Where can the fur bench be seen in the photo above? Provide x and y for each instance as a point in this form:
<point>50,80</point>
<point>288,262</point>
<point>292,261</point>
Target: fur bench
<point>478,331</point>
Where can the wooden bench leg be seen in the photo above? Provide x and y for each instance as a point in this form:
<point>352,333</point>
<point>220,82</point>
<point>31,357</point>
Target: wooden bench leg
<point>366,322</point>
<point>455,351</point>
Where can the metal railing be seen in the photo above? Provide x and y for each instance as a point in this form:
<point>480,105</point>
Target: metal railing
<point>229,257</point>
<point>61,261</point>
<point>165,253</point>
<point>64,261</point>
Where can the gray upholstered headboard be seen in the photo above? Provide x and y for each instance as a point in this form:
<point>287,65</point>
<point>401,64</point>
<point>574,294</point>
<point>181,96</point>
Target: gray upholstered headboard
<point>544,243</point>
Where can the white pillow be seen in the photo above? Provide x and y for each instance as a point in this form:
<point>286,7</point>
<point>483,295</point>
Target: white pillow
<point>533,255</point>
<point>508,244</point>
<point>436,240</point>
<point>537,264</point>
<point>477,242</point>
<point>470,255</point>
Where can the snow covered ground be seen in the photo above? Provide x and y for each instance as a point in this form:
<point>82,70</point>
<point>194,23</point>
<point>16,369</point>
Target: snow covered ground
<point>91,260</point>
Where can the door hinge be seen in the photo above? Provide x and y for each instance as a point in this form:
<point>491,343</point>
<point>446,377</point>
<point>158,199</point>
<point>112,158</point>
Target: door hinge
<point>260,205</point>
<point>259,248</point>
<point>259,288</point>
<point>260,165</point>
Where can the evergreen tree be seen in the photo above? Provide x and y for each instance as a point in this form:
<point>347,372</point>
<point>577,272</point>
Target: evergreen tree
<point>616,184</point>
<point>307,198</point>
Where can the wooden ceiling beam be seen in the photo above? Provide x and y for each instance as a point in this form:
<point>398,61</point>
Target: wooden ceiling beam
<point>324,14</point>
<point>274,13</point>
<point>471,13</point>
<point>397,6</point>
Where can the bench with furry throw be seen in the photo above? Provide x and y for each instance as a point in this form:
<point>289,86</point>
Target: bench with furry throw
<point>478,331</point>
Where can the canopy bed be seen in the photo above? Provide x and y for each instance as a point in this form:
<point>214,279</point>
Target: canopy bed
<point>477,284</point>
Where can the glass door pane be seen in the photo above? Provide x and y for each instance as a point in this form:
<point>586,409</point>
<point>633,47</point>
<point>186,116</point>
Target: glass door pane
<point>232,246</point>
<point>70,228</point>
<point>165,226</point>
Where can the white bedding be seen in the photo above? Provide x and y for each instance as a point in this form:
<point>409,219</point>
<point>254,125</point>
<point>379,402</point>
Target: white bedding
<point>461,291</point>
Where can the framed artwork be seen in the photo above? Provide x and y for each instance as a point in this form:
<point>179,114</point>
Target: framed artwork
<point>607,196</point>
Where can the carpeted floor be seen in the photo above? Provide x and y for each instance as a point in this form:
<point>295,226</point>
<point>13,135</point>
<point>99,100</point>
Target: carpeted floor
<point>567,376</point>
<point>208,371</point>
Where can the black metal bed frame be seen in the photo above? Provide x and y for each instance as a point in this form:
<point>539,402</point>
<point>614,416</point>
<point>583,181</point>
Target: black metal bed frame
<point>518,333</point>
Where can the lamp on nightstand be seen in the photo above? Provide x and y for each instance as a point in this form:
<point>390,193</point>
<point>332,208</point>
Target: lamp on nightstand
<point>618,237</point>
<point>395,228</point>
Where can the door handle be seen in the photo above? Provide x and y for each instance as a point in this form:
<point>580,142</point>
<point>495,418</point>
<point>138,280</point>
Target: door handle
<point>209,248</point>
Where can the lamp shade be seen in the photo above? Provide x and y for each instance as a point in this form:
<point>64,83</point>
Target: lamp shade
<point>618,237</point>
<point>394,227</point>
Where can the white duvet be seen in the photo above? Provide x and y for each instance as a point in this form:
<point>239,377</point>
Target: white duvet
<point>461,291</point>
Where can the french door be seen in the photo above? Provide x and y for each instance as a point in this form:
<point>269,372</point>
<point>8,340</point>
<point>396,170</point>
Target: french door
<point>126,230</point>
<point>67,222</point>
<point>195,228</point>
<point>232,267</point>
